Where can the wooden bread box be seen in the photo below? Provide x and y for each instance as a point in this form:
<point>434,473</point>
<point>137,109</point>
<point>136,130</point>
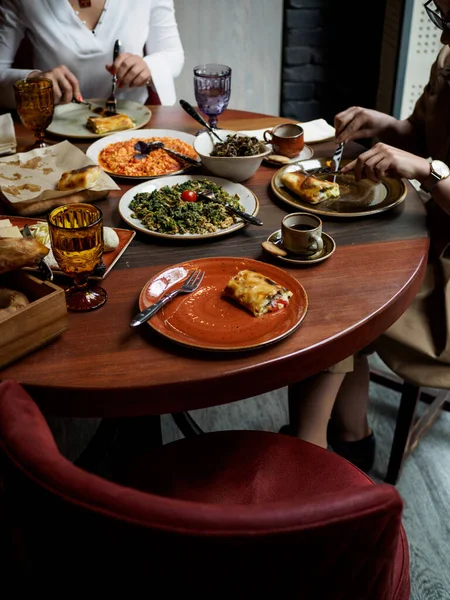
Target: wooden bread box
<point>41,321</point>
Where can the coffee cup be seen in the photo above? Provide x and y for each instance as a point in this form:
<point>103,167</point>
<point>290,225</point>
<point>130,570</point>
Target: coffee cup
<point>301,234</point>
<point>287,139</point>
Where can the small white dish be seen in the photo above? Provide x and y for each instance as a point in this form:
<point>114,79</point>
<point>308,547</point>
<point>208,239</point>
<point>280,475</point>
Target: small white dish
<point>329,246</point>
<point>305,154</point>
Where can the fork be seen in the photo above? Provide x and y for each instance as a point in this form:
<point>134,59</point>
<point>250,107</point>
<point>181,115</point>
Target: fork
<point>111,103</point>
<point>190,285</point>
<point>209,196</point>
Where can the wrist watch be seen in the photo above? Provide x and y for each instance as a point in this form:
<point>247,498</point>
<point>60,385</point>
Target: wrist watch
<point>439,171</point>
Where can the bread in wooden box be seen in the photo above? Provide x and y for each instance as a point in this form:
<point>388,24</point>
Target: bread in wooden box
<point>38,323</point>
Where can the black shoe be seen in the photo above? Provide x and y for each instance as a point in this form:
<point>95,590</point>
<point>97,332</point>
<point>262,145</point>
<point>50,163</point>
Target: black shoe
<point>287,430</point>
<point>361,453</point>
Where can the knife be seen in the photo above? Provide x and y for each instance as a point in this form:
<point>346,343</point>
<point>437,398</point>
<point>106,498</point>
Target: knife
<point>336,160</point>
<point>111,103</point>
<point>42,265</point>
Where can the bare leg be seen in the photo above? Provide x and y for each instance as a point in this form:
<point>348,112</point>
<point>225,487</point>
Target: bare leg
<point>349,417</point>
<point>310,404</point>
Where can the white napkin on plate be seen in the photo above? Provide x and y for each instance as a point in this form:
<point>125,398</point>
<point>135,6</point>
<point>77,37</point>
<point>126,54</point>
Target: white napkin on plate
<point>314,131</point>
<point>7,134</point>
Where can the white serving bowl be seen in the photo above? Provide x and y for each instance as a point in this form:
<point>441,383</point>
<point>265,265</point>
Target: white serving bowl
<point>234,168</point>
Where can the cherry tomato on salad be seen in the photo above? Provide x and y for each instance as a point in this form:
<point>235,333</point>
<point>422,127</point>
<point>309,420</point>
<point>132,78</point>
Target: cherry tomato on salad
<point>189,196</point>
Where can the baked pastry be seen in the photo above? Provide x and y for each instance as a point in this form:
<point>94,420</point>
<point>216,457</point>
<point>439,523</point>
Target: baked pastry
<point>310,188</point>
<point>257,293</point>
<point>79,179</point>
<point>10,302</point>
<point>108,124</point>
<point>16,253</point>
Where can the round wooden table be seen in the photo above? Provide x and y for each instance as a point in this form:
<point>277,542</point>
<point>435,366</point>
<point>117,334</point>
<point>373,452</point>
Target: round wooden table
<point>101,367</point>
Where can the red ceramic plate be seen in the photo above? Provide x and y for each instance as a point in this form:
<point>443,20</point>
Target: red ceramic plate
<point>207,320</point>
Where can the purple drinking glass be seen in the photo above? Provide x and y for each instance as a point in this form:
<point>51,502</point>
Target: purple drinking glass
<point>212,86</point>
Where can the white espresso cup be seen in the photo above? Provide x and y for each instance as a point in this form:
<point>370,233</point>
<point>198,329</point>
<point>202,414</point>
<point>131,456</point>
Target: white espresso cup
<point>301,234</point>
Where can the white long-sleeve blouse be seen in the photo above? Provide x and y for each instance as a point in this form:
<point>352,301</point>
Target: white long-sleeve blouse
<point>59,37</point>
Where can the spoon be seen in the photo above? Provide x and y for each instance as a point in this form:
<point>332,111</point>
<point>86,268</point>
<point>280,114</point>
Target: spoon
<point>209,196</point>
<point>144,148</point>
<point>194,114</point>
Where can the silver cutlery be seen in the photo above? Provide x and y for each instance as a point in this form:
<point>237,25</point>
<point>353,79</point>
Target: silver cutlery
<point>99,110</point>
<point>190,285</point>
<point>209,196</point>
<point>337,156</point>
<point>194,114</point>
<point>144,148</point>
<point>42,265</point>
<point>111,103</point>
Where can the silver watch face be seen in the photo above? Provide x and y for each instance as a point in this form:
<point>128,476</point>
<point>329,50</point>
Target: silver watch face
<point>440,168</point>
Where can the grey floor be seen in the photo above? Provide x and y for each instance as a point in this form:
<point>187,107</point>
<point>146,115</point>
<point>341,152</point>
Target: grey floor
<point>424,484</point>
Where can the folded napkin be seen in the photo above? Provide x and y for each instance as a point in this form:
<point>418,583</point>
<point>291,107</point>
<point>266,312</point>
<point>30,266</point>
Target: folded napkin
<point>7,135</point>
<point>314,131</point>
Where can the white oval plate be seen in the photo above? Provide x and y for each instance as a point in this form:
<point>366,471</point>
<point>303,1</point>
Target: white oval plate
<point>94,149</point>
<point>305,154</point>
<point>69,120</point>
<point>246,197</point>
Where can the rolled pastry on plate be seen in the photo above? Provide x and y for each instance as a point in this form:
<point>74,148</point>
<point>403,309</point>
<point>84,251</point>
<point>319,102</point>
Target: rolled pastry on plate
<point>310,188</point>
<point>257,293</point>
<point>17,253</point>
<point>108,124</point>
<point>79,179</point>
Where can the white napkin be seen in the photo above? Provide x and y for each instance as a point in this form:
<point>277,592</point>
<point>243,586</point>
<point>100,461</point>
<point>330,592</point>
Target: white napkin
<point>7,134</point>
<point>314,131</point>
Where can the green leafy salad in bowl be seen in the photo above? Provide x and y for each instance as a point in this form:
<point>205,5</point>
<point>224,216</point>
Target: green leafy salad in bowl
<point>178,209</point>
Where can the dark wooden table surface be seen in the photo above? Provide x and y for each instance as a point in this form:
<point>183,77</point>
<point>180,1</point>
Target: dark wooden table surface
<point>101,367</point>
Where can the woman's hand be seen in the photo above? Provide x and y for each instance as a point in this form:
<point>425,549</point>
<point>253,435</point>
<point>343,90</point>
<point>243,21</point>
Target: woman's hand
<point>387,161</point>
<point>358,123</point>
<point>131,69</point>
<point>65,84</point>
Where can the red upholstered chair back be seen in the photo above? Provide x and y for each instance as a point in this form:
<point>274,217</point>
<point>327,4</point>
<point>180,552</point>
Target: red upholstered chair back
<point>74,526</point>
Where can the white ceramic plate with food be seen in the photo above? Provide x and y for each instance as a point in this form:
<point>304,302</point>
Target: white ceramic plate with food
<point>69,120</point>
<point>94,150</point>
<point>247,199</point>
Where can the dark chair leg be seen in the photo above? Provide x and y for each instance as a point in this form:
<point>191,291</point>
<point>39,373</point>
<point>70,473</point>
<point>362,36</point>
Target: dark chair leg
<point>405,422</point>
<point>186,424</point>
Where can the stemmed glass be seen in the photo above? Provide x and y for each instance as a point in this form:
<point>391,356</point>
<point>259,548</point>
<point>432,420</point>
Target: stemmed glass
<point>212,86</point>
<point>35,104</point>
<point>76,233</point>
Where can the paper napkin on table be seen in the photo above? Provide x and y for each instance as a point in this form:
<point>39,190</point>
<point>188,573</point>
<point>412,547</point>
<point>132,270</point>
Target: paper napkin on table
<point>7,135</point>
<point>314,131</point>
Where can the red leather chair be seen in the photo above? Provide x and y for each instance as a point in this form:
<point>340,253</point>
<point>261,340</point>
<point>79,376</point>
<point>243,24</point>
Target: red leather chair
<point>235,514</point>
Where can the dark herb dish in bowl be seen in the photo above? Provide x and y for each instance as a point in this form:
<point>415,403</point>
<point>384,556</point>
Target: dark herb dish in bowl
<point>236,158</point>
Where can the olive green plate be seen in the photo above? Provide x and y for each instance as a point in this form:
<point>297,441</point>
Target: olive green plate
<point>329,246</point>
<point>357,199</point>
<point>69,120</point>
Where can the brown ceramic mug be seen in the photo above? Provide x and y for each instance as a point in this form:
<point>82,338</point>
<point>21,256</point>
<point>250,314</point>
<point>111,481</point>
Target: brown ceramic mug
<point>286,139</point>
<point>302,234</point>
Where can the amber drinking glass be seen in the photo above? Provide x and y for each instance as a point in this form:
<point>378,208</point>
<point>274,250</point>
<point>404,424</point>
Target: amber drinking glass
<point>35,104</point>
<point>76,233</point>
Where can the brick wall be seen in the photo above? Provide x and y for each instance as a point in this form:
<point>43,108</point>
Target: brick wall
<point>331,56</point>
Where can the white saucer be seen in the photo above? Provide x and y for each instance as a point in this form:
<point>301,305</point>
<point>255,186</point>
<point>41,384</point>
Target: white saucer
<point>305,154</point>
<point>329,246</point>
